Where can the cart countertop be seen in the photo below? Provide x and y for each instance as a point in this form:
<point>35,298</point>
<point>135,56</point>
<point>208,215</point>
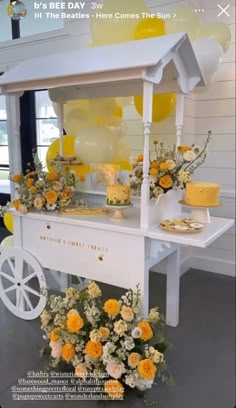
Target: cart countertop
<point>131,226</point>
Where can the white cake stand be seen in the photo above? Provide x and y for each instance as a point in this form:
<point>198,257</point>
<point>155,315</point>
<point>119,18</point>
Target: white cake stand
<point>118,214</point>
<point>200,214</point>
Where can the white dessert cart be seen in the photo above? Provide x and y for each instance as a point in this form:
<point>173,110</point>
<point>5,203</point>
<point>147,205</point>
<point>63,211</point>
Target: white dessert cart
<point>95,247</point>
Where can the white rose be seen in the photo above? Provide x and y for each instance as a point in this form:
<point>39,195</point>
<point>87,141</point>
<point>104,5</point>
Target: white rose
<point>189,156</point>
<point>56,349</point>
<point>115,369</point>
<point>171,164</point>
<point>129,343</point>
<point>136,333</point>
<point>22,209</point>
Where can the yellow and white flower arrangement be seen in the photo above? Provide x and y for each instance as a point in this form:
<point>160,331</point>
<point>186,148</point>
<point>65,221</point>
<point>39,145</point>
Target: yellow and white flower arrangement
<point>172,168</point>
<point>43,190</point>
<point>106,339</point>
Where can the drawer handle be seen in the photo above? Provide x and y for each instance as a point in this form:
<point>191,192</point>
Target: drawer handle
<point>48,226</point>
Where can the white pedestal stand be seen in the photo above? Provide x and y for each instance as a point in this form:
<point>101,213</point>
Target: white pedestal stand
<point>200,214</point>
<point>118,214</point>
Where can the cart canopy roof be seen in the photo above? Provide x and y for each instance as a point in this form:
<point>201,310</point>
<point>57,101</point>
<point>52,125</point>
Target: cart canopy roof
<point>168,62</point>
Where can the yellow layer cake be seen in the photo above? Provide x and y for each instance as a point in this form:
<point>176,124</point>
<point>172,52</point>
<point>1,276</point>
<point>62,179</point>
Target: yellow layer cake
<point>118,195</point>
<point>202,194</point>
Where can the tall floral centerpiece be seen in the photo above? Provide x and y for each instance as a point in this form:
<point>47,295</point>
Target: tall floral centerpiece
<point>172,168</point>
<point>108,340</point>
<point>43,190</point>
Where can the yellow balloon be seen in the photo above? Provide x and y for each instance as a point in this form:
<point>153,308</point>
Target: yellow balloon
<point>118,112</point>
<point>122,153</point>
<point>7,242</point>
<point>81,104</point>
<point>163,105</point>
<point>124,101</point>
<point>9,222</point>
<point>102,107</point>
<point>121,25</point>
<point>96,144</point>
<point>76,120</point>
<point>186,20</point>
<point>68,150</point>
<point>114,120</point>
<point>149,27</point>
<point>219,32</point>
<point>124,165</point>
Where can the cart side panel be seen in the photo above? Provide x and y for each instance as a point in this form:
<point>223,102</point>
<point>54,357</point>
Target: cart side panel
<point>109,257</point>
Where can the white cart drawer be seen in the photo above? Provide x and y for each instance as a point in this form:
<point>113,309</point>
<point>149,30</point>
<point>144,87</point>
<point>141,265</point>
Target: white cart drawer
<point>106,256</point>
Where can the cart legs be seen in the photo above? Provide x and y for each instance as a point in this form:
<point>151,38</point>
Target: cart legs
<point>173,284</point>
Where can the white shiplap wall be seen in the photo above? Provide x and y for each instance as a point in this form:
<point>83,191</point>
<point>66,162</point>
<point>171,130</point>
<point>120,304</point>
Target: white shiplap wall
<point>213,109</point>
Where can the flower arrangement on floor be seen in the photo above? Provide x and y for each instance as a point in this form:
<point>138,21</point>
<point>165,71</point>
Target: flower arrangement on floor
<point>107,340</point>
<point>172,168</point>
<point>43,190</point>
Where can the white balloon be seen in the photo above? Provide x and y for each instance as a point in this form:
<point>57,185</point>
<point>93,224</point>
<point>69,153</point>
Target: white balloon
<point>96,144</point>
<point>209,55</point>
<point>7,243</point>
<point>124,101</point>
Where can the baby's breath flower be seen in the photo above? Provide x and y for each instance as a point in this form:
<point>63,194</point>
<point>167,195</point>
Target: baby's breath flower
<point>93,290</point>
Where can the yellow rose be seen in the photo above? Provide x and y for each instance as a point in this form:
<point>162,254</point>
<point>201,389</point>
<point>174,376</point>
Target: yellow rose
<point>81,371</point>
<point>127,313</point>
<point>54,335</point>
<point>166,182</point>
<point>74,323</point>
<point>147,332</point>
<point>153,171</point>
<point>164,166</point>
<point>104,333</point>
<point>184,148</point>
<point>51,197</point>
<point>155,164</point>
<point>68,192</point>
<point>112,307</point>
<point>147,369</point>
<point>57,185</point>
<point>29,182</point>
<point>114,389</point>
<point>16,178</point>
<point>38,203</point>
<point>140,158</point>
<point>133,360</point>
<point>33,190</point>
<point>52,176</point>
<point>94,349</point>
<point>16,204</point>
<point>68,352</point>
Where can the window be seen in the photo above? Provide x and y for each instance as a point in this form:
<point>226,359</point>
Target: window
<point>31,25</point>
<point>4,156</point>
<point>46,123</point>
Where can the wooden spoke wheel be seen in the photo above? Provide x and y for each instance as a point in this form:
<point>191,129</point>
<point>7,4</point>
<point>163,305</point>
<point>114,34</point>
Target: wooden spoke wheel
<point>22,284</point>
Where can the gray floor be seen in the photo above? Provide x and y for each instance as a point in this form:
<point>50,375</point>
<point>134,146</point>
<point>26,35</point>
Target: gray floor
<point>202,361</point>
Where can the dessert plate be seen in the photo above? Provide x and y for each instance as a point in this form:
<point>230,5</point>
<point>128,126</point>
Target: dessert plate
<point>184,226</point>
